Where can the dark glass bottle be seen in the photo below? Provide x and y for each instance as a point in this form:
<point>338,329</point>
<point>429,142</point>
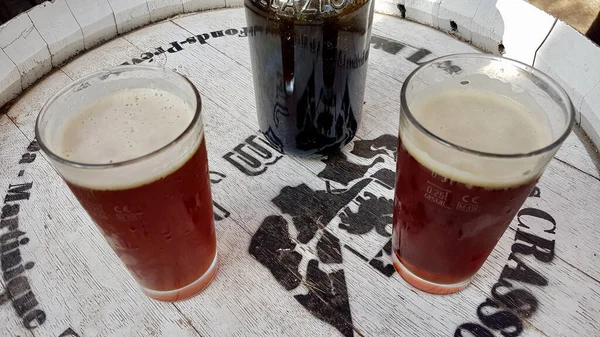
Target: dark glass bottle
<point>309,62</point>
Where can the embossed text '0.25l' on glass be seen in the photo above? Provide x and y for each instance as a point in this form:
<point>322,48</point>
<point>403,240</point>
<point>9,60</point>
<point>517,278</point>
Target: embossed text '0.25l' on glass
<point>309,64</point>
<point>129,143</point>
<point>476,134</point>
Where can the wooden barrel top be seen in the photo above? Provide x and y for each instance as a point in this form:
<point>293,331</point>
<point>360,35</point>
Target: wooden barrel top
<point>543,278</point>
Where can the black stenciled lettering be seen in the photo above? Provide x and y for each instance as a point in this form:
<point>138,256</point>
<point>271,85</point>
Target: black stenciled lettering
<point>17,192</point>
<point>10,236</point>
<point>33,146</point>
<point>541,248</point>
<point>147,56</point>
<point>220,212</point>
<point>538,213</point>
<point>189,40</point>
<point>11,223</point>
<point>418,55</point>
<point>522,273</point>
<point>176,47</point>
<point>11,274</point>
<point>520,300</point>
<point>243,32</point>
<point>474,330</point>
<point>202,38</point>
<point>505,321</point>
<point>217,33</point>
<point>159,51</point>
<point>535,192</point>
<point>231,31</point>
<point>11,259</point>
<point>389,46</point>
<point>27,158</point>
<point>69,333</point>
<point>25,303</point>
<point>17,286</point>
<point>9,246</point>
<point>9,210</point>
<point>35,318</point>
<point>5,247</point>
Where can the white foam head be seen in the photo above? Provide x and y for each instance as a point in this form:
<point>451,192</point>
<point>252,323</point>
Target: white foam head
<point>122,126</point>
<point>478,120</point>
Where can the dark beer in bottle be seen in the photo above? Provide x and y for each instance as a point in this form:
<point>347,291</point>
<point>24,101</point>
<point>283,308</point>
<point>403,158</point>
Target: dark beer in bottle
<point>309,61</point>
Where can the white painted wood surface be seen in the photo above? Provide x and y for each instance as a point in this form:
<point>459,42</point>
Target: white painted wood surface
<point>96,19</point>
<point>461,13</point>
<point>514,29</point>
<point>130,14</point>
<point>590,114</point>
<point>572,60</point>
<point>80,284</point>
<point>59,29</point>
<point>10,80</point>
<point>161,9</point>
<point>22,43</point>
<point>190,6</point>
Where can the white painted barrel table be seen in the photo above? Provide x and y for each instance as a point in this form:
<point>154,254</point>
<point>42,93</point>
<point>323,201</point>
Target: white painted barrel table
<point>280,276</point>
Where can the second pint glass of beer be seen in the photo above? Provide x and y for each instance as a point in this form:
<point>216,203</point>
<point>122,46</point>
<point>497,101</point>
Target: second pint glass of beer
<point>476,133</point>
<point>129,143</point>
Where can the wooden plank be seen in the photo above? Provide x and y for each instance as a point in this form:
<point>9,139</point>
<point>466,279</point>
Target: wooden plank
<point>571,59</point>
<point>58,27</point>
<point>10,323</point>
<point>579,151</point>
<point>590,115</point>
<point>234,3</point>
<point>110,54</point>
<point>130,14</point>
<point>96,20</point>
<point>22,43</point>
<point>190,6</point>
<point>207,67</point>
<point>26,108</point>
<point>456,16</point>
<point>76,279</point>
<point>10,79</point>
<point>504,27</point>
<point>421,11</point>
<point>162,9</point>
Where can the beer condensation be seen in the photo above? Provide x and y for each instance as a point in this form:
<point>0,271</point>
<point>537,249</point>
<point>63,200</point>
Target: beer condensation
<point>158,216</point>
<point>451,208</point>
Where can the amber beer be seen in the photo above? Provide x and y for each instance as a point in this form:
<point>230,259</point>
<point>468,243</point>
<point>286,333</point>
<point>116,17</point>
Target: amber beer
<point>136,160</point>
<point>166,243</point>
<point>446,229</point>
<point>470,151</point>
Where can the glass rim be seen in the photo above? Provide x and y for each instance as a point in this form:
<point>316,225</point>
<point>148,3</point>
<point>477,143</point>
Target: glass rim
<point>106,72</point>
<point>517,64</point>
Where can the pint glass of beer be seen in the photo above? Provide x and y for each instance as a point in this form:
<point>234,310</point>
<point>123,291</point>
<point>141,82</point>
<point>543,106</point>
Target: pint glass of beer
<point>129,143</point>
<point>476,133</point>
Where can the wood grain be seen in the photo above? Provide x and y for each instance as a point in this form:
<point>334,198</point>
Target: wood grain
<point>81,284</point>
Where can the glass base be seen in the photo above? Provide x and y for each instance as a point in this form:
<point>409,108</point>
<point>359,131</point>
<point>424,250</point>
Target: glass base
<point>189,290</point>
<point>424,285</point>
